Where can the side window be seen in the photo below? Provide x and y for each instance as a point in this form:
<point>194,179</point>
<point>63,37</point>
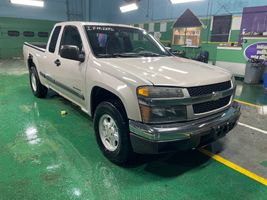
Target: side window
<point>54,38</point>
<point>221,28</point>
<point>71,36</point>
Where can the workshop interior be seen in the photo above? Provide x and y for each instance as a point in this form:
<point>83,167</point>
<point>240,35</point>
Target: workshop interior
<point>133,99</point>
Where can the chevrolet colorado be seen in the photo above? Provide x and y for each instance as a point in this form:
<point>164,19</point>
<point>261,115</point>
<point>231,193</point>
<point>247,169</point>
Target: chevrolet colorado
<point>142,98</point>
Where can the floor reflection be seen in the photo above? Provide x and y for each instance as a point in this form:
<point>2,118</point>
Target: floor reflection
<point>255,94</point>
<point>262,110</point>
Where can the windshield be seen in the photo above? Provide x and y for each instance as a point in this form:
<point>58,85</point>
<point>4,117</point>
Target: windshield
<point>110,41</point>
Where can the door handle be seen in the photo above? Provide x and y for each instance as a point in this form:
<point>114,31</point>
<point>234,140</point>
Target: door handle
<point>57,62</point>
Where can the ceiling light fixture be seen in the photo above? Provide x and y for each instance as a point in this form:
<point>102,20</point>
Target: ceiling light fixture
<point>129,7</point>
<point>183,1</point>
<point>36,3</point>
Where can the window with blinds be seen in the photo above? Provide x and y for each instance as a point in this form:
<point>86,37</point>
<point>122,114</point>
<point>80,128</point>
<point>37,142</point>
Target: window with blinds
<point>221,28</point>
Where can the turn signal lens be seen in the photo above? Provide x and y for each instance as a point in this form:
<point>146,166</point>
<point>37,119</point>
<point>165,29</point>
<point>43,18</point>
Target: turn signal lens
<point>145,112</point>
<point>143,91</point>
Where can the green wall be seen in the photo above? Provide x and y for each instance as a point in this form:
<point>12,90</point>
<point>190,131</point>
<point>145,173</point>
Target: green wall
<point>231,55</point>
<point>234,37</point>
<point>12,46</point>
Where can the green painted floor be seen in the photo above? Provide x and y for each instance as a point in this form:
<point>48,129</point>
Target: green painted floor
<point>46,156</point>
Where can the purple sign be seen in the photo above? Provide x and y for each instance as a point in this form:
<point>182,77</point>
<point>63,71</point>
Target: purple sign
<point>257,51</point>
<point>254,21</point>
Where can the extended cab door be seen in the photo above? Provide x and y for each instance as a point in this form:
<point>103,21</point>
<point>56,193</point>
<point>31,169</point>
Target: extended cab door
<point>70,75</point>
<point>46,65</point>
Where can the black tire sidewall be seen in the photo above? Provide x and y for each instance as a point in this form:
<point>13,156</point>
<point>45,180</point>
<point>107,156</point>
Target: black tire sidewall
<point>40,89</point>
<point>121,154</point>
<point>32,71</point>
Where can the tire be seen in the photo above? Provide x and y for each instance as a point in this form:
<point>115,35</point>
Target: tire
<point>121,153</point>
<point>38,89</point>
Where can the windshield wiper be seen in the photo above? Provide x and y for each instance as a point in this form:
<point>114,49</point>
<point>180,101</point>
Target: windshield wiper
<point>116,55</point>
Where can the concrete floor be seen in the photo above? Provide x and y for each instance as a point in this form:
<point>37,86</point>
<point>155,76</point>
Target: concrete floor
<point>46,156</point>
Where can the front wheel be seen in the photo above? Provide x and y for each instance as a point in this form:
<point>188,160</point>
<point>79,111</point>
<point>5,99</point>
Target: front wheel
<point>38,89</point>
<point>112,132</point>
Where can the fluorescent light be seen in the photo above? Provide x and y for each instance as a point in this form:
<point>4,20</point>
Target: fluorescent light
<point>37,3</point>
<point>183,1</point>
<point>128,7</point>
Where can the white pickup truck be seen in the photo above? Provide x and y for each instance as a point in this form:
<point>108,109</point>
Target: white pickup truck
<point>142,98</point>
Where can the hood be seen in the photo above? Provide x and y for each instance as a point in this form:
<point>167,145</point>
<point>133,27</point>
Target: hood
<point>169,71</point>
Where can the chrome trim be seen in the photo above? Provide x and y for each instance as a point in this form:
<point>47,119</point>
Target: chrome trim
<point>61,85</point>
<point>186,130</point>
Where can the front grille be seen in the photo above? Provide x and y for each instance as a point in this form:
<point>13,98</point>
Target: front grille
<point>211,105</point>
<point>208,89</point>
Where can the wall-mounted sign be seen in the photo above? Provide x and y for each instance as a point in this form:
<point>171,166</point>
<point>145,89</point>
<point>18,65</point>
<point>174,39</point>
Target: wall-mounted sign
<point>257,51</point>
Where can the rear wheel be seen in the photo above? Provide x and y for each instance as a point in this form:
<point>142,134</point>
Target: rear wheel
<point>38,89</point>
<point>112,132</point>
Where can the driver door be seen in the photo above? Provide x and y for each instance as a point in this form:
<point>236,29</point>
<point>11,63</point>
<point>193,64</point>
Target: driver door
<point>70,75</point>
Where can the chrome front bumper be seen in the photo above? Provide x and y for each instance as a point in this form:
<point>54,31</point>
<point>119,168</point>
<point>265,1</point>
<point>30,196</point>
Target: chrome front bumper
<point>187,135</point>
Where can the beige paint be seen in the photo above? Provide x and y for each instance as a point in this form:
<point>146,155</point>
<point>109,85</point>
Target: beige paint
<point>121,76</point>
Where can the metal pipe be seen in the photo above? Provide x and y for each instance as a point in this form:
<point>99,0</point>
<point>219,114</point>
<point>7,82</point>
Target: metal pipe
<point>68,10</point>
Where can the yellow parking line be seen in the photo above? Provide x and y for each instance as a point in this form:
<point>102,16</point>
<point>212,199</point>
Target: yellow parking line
<point>246,103</point>
<point>235,167</point>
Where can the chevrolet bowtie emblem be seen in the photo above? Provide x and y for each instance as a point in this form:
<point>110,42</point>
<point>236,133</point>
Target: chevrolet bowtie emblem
<point>216,96</point>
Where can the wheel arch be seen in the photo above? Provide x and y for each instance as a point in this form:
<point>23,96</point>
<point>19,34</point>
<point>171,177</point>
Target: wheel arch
<point>100,94</point>
<point>31,62</point>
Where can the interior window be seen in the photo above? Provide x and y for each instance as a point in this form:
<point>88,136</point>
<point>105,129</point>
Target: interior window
<point>186,36</point>
<point>221,28</point>
<point>71,36</point>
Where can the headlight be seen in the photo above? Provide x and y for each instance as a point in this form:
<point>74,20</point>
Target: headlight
<point>162,112</point>
<point>160,92</point>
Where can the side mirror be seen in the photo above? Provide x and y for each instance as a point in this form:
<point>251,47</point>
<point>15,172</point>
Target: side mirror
<point>72,52</point>
<point>169,49</point>
<point>172,51</point>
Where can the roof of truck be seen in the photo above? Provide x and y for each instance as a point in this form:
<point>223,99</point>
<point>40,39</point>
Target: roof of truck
<point>94,24</point>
